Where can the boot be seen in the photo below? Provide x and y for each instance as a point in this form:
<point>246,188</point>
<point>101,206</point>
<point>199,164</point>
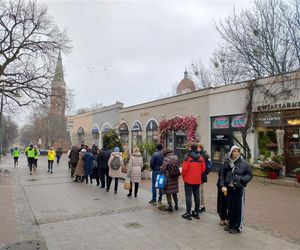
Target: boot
<point>176,205</point>
<point>170,208</point>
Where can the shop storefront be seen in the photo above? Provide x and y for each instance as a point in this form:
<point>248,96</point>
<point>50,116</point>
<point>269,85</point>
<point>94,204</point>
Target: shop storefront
<point>225,132</point>
<point>124,134</point>
<point>279,133</point>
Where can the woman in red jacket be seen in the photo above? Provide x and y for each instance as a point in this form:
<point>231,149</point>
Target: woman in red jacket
<point>193,167</point>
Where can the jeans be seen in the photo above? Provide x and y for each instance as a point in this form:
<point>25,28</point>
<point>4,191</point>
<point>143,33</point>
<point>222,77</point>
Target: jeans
<point>154,176</point>
<point>50,165</point>
<point>189,191</point>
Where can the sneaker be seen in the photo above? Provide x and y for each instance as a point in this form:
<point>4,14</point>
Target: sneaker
<point>129,195</point>
<point>160,201</point>
<point>51,172</point>
<point>115,192</point>
<point>170,209</point>
<point>187,216</point>
<point>195,215</point>
<point>152,202</point>
<point>234,231</point>
<point>227,227</point>
<point>202,209</point>
<point>48,170</point>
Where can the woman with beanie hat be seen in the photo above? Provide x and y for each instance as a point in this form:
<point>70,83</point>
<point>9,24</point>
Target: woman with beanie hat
<point>234,176</point>
<point>114,163</point>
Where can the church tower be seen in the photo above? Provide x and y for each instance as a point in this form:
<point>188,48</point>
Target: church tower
<point>58,90</point>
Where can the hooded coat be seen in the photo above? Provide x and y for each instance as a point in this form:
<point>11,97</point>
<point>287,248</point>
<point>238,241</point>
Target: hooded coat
<point>193,166</point>
<point>115,173</point>
<point>171,183</point>
<point>135,165</point>
<point>88,160</point>
<point>79,171</point>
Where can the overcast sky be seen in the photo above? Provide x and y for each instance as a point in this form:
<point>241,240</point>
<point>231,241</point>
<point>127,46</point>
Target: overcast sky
<point>135,51</point>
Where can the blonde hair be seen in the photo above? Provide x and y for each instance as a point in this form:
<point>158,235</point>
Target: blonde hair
<point>200,145</point>
<point>136,150</point>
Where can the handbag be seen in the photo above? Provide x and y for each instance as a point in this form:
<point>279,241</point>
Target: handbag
<point>160,181</point>
<point>127,184</point>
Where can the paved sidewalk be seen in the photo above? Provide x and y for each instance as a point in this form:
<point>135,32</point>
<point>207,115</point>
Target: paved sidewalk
<point>70,215</point>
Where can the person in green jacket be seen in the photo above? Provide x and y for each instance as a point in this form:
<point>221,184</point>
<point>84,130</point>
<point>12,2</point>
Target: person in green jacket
<point>16,154</point>
<point>31,153</point>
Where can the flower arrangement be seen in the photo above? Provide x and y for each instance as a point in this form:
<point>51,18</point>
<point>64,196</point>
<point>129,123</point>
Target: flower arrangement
<point>271,166</point>
<point>187,124</point>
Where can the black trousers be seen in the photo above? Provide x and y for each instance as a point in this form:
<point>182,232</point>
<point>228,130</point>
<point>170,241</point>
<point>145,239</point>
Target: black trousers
<point>189,191</point>
<point>57,159</point>
<point>169,199</point>
<point>73,167</point>
<point>109,182</point>
<point>50,165</point>
<point>222,206</point>
<point>236,203</point>
<point>16,159</point>
<point>104,177</point>
<point>30,163</point>
<point>35,162</point>
<point>136,188</point>
<point>86,178</point>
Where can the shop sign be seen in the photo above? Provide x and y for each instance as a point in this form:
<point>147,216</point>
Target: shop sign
<point>279,106</point>
<point>268,120</point>
<point>220,138</point>
<point>239,121</point>
<point>221,122</point>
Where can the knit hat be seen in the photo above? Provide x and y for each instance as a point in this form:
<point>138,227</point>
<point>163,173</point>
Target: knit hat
<point>116,149</point>
<point>233,148</point>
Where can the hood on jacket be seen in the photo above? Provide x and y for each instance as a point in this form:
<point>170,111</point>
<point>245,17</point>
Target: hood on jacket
<point>194,155</point>
<point>138,154</point>
<point>233,148</point>
<point>116,154</point>
<point>166,151</point>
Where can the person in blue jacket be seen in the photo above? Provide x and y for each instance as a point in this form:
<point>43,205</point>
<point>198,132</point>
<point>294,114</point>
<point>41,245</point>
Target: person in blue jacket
<point>88,160</point>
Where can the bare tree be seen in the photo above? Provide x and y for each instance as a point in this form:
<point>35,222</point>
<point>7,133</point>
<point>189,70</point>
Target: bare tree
<point>201,75</point>
<point>29,45</point>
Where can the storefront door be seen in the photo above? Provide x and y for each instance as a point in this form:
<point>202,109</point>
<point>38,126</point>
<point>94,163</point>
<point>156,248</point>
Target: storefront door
<point>292,148</point>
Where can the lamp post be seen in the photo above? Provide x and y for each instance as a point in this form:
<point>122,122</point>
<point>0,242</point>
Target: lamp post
<point>1,115</point>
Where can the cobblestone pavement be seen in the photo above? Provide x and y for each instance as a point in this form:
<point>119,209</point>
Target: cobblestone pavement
<point>52,209</point>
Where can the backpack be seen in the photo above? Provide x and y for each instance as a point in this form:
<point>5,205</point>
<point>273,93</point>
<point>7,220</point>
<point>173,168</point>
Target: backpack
<point>174,170</point>
<point>208,166</point>
<point>115,163</point>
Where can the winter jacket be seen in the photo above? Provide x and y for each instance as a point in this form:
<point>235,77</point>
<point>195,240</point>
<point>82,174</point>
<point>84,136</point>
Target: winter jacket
<point>115,173</point>
<point>31,152</point>
<point>51,155</point>
<point>238,176</point>
<point>193,166</point>
<point>205,155</point>
<point>156,161</point>
<point>74,155</point>
<point>171,183</point>
<point>79,171</point>
<point>103,158</point>
<point>36,157</point>
<point>88,160</point>
<point>135,164</point>
<point>15,153</point>
<point>59,152</point>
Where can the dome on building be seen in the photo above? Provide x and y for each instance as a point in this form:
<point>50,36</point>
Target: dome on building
<point>186,85</point>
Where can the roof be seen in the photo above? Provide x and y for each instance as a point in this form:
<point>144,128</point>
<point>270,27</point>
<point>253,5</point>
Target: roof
<point>186,85</point>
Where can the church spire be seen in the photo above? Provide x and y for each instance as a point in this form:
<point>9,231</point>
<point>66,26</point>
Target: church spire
<point>59,72</point>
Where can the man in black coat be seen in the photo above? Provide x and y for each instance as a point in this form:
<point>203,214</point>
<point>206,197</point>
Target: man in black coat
<point>235,174</point>
<point>102,162</point>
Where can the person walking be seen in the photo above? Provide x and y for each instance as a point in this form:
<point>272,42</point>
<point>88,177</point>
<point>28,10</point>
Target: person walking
<point>16,154</point>
<point>205,155</point>
<point>30,153</point>
<point>79,171</point>
<point>58,154</point>
<point>103,168</point>
<point>74,157</point>
<point>193,167</point>
<point>155,164</point>
<point>88,160</point>
<point>51,158</point>
<point>36,157</point>
<point>115,162</point>
<point>134,171</point>
<point>170,168</point>
<point>235,175</point>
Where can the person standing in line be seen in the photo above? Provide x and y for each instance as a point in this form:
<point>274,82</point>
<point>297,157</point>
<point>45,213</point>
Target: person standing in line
<point>170,168</point>
<point>79,171</point>
<point>115,162</point>
<point>205,155</point>
<point>58,154</point>
<point>74,157</point>
<point>193,167</point>
<point>134,171</point>
<point>36,157</point>
<point>235,175</point>
<point>30,153</point>
<point>103,167</point>
<point>88,160</point>
<point>155,164</point>
<point>51,158</point>
<point>222,207</point>
<point>16,154</point>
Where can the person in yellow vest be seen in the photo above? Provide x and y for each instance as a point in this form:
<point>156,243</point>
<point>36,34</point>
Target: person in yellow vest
<point>36,156</point>
<point>51,158</point>
<point>16,154</point>
<point>31,152</point>
<point>26,153</point>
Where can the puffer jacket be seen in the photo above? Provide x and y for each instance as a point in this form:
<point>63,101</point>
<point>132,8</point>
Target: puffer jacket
<point>135,165</point>
<point>156,161</point>
<point>237,177</point>
<point>103,158</point>
<point>193,166</point>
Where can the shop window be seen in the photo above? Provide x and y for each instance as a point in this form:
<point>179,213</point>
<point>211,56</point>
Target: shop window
<point>136,132</point>
<point>124,134</point>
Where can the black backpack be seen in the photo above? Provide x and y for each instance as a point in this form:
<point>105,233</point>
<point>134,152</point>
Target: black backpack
<point>174,170</point>
<point>115,163</point>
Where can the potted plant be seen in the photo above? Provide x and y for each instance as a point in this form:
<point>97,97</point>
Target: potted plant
<point>272,168</point>
<point>297,172</point>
